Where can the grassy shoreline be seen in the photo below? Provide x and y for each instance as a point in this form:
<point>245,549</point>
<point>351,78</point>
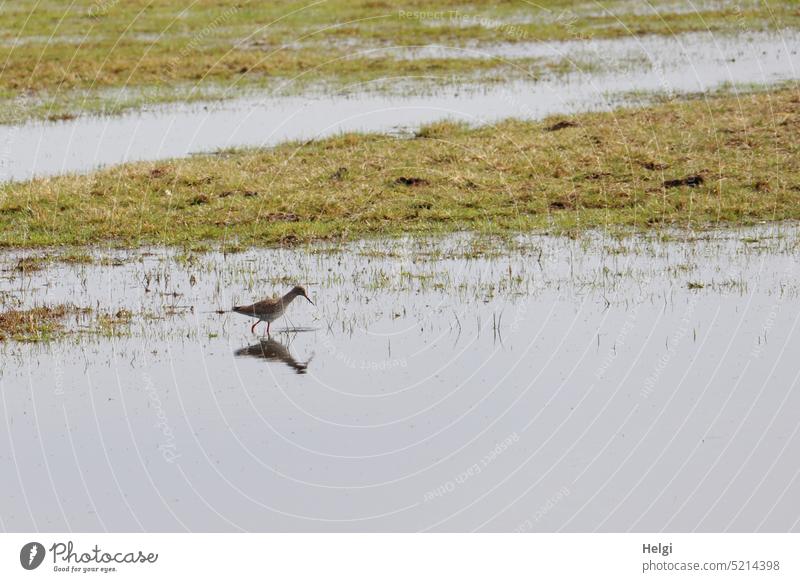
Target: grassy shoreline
<point>688,163</point>
<point>108,56</point>
<point>416,77</point>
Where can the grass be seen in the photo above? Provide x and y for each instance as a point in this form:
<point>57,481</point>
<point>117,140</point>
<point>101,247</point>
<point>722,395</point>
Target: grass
<point>30,264</point>
<point>47,323</point>
<point>63,59</point>
<point>727,159</point>
<point>406,77</point>
<point>35,325</point>
<point>172,289</point>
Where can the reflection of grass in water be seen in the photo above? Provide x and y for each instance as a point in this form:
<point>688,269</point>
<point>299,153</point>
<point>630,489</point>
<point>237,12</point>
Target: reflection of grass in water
<point>724,160</point>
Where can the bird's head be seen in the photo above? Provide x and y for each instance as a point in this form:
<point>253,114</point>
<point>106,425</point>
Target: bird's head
<point>301,292</point>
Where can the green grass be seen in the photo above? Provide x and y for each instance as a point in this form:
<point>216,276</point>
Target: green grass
<point>726,159</point>
<point>61,59</point>
<point>415,77</point>
<point>47,323</point>
<point>37,324</point>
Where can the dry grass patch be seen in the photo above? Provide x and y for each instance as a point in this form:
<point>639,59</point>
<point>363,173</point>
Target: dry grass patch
<point>36,324</point>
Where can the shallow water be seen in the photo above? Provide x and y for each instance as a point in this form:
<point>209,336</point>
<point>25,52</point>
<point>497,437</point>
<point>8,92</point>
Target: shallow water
<point>684,63</point>
<point>460,384</point>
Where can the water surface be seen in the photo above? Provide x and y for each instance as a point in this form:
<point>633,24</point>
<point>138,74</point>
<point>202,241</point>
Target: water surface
<point>552,384</point>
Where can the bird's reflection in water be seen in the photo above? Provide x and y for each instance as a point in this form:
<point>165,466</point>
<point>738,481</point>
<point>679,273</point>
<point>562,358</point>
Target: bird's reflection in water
<point>274,351</point>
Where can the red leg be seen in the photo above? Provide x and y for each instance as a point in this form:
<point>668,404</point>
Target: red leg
<point>268,327</point>
<point>253,329</point>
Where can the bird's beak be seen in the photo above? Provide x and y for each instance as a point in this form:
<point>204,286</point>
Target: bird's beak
<point>309,300</point>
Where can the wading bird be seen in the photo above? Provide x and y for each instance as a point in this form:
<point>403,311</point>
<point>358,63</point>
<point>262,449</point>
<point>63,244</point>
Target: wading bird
<point>270,309</point>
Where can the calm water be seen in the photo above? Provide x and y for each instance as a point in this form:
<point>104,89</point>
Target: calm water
<point>665,65</point>
<point>457,384</point>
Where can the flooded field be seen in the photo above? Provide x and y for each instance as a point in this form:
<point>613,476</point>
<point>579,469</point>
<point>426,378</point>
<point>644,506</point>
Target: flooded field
<point>543,383</point>
<point>603,75</point>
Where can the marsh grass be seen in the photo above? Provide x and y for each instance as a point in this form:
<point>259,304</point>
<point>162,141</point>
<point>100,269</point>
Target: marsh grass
<point>63,59</point>
<point>49,323</point>
<point>76,257</point>
<point>363,282</point>
<point>113,324</point>
<point>37,324</point>
<point>364,76</point>
<point>30,264</point>
<point>723,160</point>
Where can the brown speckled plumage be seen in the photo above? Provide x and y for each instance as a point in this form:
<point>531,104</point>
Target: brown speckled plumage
<point>270,309</point>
